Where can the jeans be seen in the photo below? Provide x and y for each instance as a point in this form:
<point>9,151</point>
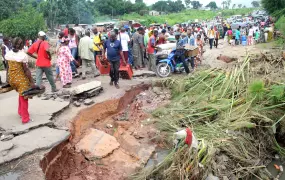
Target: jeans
<point>74,52</point>
<point>97,53</point>
<point>216,43</point>
<point>181,58</point>
<point>130,55</point>
<point>211,43</point>
<point>114,72</point>
<point>192,62</point>
<point>84,67</point>
<point>237,42</point>
<point>48,73</point>
<point>73,67</point>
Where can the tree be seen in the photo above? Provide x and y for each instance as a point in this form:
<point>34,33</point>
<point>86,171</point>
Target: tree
<point>187,3</point>
<point>234,6</point>
<point>25,24</point>
<point>196,4</point>
<point>273,5</point>
<point>244,6</point>
<point>224,3</point>
<point>168,6</point>
<point>212,5</point>
<point>240,6</point>
<point>9,7</point>
<point>255,4</point>
<point>229,3</point>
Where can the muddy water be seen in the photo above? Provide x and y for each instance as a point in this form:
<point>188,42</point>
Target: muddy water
<point>64,162</point>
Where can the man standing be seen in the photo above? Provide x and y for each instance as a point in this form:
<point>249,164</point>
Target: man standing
<point>151,51</point>
<point>43,63</point>
<point>211,36</point>
<point>190,40</point>
<point>237,37</point>
<point>87,55</point>
<point>114,52</point>
<point>138,48</point>
<point>217,37</point>
<point>124,38</point>
<point>97,40</point>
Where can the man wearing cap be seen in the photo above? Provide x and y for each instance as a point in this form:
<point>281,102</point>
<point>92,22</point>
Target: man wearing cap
<point>43,63</point>
<point>179,53</point>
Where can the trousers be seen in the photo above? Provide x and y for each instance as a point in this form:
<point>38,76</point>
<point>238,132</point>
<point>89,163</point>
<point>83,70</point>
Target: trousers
<point>151,62</point>
<point>84,67</point>
<point>114,71</point>
<point>211,43</point>
<point>48,73</point>
<point>23,109</point>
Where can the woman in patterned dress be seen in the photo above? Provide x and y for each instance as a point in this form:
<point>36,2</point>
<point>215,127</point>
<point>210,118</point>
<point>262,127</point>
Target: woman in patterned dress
<point>19,76</point>
<point>63,62</point>
<point>199,43</point>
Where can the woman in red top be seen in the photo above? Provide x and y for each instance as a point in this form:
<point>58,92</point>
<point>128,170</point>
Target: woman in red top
<point>230,34</point>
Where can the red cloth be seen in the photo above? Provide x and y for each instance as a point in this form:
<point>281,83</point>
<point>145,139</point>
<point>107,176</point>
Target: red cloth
<point>189,137</point>
<point>161,40</point>
<point>65,31</point>
<point>43,57</point>
<point>23,109</point>
<point>151,41</point>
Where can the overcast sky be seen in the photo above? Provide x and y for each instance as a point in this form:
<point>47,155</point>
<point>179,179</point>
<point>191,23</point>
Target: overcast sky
<point>205,2</point>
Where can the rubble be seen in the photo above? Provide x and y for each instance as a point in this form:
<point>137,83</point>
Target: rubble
<point>88,102</point>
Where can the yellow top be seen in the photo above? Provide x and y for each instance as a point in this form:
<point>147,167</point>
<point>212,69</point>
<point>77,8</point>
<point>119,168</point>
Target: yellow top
<point>96,39</point>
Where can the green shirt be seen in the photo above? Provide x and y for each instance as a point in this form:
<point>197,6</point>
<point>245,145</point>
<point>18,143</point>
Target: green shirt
<point>256,35</point>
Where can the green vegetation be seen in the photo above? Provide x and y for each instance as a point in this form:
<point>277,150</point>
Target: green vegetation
<point>184,16</point>
<point>25,24</point>
<point>232,114</point>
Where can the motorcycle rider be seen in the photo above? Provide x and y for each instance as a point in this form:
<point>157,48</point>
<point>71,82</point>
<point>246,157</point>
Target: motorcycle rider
<point>180,52</point>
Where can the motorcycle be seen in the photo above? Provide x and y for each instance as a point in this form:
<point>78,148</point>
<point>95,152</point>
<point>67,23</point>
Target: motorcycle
<point>166,66</point>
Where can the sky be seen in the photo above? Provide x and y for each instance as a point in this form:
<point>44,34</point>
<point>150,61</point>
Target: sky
<point>205,2</point>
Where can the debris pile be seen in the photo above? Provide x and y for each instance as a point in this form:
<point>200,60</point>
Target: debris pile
<point>234,117</point>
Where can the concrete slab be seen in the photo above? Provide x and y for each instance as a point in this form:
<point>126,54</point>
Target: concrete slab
<point>97,144</point>
<point>40,111</point>
<point>40,138</point>
<point>147,73</point>
<point>85,87</point>
<point>14,124</point>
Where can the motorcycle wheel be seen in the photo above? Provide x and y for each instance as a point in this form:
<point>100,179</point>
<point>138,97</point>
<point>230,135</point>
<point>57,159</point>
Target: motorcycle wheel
<point>163,70</point>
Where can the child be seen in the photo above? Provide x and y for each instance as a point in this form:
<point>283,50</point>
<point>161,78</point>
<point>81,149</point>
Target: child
<point>256,36</point>
<point>232,41</point>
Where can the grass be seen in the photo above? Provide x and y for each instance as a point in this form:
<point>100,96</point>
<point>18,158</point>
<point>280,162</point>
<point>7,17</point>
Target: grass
<point>184,16</point>
<point>231,114</point>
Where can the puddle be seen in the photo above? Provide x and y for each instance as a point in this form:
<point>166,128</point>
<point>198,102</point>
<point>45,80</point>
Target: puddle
<point>10,176</point>
<point>157,157</point>
<point>274,171</point>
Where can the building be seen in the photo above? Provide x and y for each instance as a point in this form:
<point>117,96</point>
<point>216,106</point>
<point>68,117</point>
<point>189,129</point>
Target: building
<point>156,13</point>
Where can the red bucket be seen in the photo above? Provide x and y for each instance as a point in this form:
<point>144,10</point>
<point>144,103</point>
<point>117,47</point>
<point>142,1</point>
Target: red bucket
<point>126,71</point>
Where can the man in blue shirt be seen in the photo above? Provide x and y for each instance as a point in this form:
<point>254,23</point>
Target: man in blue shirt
<point>180,52</point>
<point>114,53</point>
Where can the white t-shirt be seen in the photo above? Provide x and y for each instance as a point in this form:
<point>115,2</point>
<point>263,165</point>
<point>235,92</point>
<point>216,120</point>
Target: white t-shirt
<point>124,38</point>
<point>250,32</point>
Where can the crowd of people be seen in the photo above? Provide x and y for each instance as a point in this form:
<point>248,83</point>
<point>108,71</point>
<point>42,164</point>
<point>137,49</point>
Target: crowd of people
<point>117,46</point>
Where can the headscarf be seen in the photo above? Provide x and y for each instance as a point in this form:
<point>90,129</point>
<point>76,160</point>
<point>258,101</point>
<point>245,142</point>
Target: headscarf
<point>64,39</point>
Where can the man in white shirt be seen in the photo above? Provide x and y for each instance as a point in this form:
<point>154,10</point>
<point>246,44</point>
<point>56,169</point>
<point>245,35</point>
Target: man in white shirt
<point>124,38</point>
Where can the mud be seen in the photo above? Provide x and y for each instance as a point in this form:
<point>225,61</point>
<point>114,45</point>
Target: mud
<point>132,126</point>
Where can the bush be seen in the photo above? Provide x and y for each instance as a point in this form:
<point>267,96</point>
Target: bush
<point>25,24</point>
<point>280,25</point>
<point>183,16</point>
